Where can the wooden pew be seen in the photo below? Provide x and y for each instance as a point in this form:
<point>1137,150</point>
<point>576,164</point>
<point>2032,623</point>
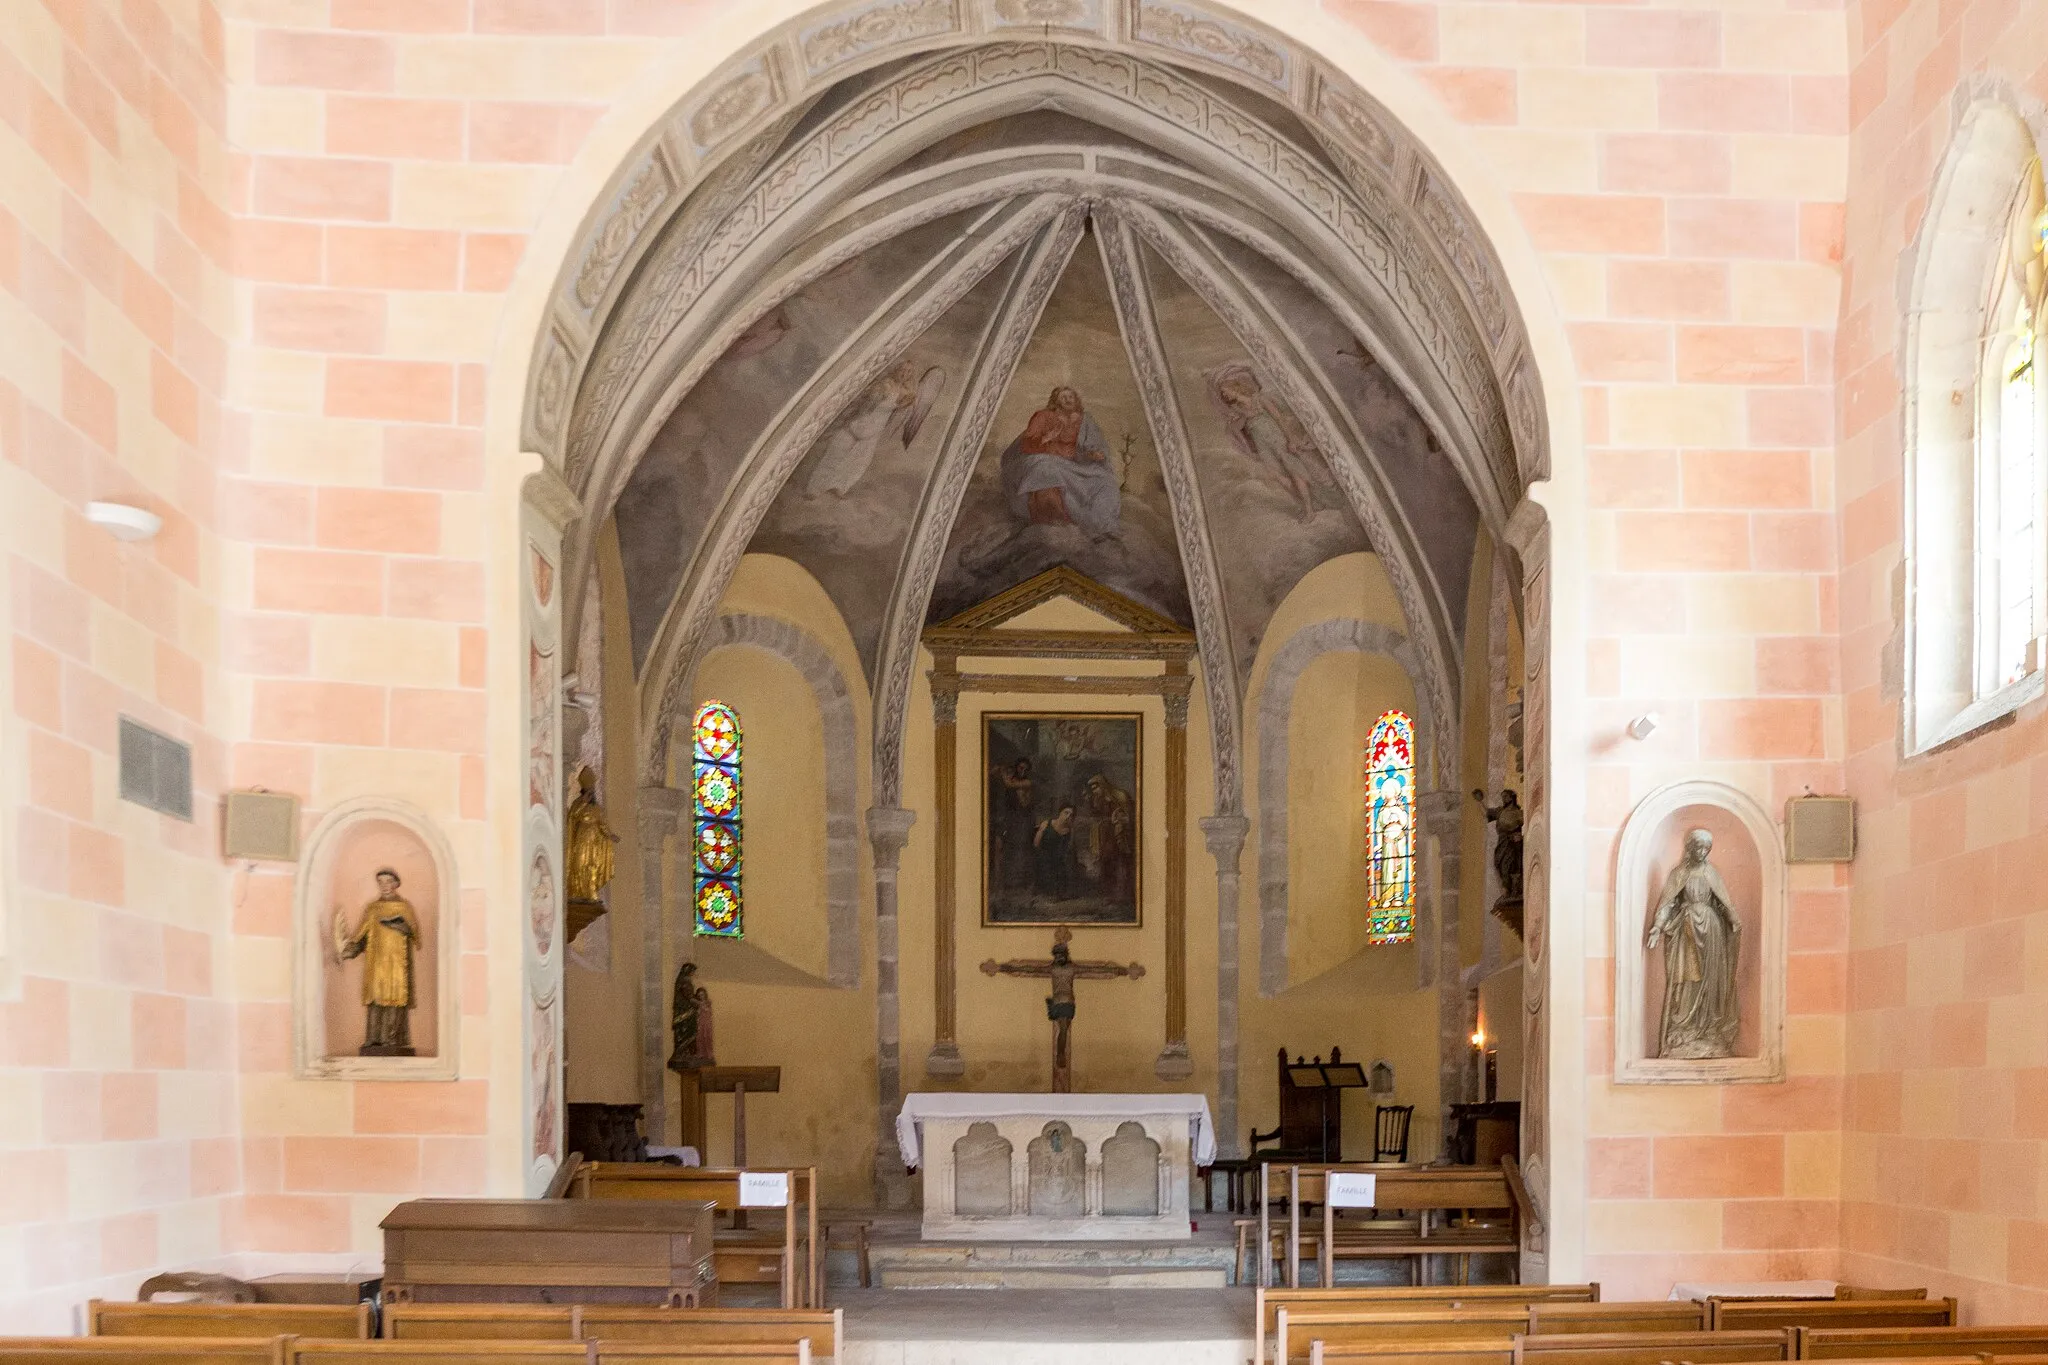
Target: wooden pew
<point>1429,1191</point>
<point>485,1321</point>
<point>657,1353</point>
<point>1838,1343</point>
<point>1481,1352</point>
<point>1399,1298</point>
<point>1294,1329</point>
<point>744,1256</point>
<point>823,1328</point>
<point>438,1353</point>
<point>1749,1314</point>
<point>1684,1315</point>
<point>112,1318</point>
<point>1653,1348</point>
<point>143,1350</point>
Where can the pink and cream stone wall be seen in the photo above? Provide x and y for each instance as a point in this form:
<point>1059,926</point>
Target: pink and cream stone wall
<point>274,267</point>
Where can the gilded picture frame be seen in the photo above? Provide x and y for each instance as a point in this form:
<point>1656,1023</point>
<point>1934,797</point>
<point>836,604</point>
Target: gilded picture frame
<point>1062,828</point>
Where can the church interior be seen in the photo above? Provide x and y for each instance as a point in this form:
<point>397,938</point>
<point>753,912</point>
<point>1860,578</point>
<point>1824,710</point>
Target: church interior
<point>1023,680</point>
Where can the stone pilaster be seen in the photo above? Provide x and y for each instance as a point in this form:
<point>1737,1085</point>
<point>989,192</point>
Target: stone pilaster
<point>662,811</point>
<point>888,832</point>
<point>1225,836</point>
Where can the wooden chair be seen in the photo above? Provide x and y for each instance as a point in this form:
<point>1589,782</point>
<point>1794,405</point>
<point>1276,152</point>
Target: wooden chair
<point>1399,1298</point>
<point>143,1350</point>
<point>484,1321</point>
<point>824,1328</point>
<point>1862,1343</point>
<point>743,1255</point>
<point>110,1318</point>
<point>1390,1124</point>
<point>1653,1348</point>
<point>1740,1314</point>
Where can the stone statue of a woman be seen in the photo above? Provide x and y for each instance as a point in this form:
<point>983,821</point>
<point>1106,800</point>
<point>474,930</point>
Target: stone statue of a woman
<point>1697,925</point>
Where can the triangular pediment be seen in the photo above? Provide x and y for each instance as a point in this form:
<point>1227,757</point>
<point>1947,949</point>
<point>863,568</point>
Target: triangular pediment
<point>1055,583</point>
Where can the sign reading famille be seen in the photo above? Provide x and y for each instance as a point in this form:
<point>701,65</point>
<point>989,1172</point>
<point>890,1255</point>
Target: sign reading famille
<point>1061,835</point>
<point>1351,1189</point>
<point>764,1189</point>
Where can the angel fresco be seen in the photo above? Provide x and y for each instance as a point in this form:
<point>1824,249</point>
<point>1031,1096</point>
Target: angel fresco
<point>1267,433</point>
<point>893,408</point>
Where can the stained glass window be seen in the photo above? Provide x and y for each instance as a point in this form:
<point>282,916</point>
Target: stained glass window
<point>1390,828</point>
<point>715,798</point>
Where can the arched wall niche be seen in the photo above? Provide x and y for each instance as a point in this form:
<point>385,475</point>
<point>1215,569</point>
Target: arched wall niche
<point>1749,855</point>
<point>337,877</point>
<point>1999,131</point>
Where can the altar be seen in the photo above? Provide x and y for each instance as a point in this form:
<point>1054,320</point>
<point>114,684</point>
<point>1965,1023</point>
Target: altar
<point>1055,1167</point>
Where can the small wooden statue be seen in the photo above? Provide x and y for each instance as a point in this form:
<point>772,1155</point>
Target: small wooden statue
<point>386,939</point>
<point>1506,819</point>
<point>588,854</point>
<point>690,1023</point>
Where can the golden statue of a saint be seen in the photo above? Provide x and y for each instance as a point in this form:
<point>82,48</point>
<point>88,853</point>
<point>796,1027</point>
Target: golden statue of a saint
<point>589,854</point>
<point>385,939</point>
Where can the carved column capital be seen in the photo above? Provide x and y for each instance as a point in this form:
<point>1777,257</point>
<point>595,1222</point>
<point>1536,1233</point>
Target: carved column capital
<point>662,811</point>
<point>1225,836</point>
<point>945,702</point>
<point>888,832</point>
<point>1175,690</point>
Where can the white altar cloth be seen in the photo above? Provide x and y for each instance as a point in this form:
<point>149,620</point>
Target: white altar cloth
<point>958,1105</point>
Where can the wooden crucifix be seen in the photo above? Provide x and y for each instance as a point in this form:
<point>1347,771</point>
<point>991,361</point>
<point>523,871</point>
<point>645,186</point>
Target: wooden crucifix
<point>1059,1006</point>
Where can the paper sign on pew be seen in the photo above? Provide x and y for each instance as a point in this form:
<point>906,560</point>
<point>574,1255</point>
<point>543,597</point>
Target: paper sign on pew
<point>764,1189</point>
<point>1351,1189</point>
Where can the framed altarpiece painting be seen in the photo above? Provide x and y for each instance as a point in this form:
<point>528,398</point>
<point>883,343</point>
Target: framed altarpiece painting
<point>1060,821</point>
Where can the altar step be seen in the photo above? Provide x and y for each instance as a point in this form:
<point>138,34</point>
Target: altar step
<point>1053,1265</point>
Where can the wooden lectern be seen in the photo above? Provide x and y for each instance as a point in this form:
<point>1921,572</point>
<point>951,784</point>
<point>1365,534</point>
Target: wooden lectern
<point>738,1082</point>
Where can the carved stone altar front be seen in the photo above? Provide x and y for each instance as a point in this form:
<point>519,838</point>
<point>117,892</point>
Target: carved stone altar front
<point>1062,1174</point>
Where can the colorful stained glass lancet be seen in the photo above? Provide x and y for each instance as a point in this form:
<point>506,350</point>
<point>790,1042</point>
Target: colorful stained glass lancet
<point>1390,828</point>
<point>715,797</point>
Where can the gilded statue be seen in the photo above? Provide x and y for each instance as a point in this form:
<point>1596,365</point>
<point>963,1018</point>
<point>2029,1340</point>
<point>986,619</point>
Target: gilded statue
<point>386,939</point>
<point>1695,921</point>
<point>690,1023</point>
<point>589,853</point>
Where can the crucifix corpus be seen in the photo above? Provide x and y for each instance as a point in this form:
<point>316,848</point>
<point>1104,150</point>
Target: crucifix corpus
<point>1059,1006</point>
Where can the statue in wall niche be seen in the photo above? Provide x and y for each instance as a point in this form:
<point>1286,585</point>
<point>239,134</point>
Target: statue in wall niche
<point>690,1023</point>
<point>1701,936</point>
<point>385,939</point>
<point>1506,819</point>
<point>588,853</point>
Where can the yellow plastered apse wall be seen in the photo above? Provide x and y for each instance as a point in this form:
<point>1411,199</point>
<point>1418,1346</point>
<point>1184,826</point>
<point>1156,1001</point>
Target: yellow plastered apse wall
<point>1340,992</point>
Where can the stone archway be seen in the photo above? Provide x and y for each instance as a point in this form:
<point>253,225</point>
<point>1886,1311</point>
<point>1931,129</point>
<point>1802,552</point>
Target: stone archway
<point>774,59</point>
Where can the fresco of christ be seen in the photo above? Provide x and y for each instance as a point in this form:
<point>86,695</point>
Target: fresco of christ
<point>1059,473</point>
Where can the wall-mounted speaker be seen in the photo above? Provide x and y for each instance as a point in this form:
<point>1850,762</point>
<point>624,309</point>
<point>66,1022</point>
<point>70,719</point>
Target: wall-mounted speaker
<point>262,826</point>
<point>1820,829</point>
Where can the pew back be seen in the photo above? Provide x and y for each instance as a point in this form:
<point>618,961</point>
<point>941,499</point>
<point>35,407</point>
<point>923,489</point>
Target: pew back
<point>1653,1348</point>
<point>658,1353</point>
<point>483,1321</point>
<point>742,1259</point>
<point>1685,1315</point>
<point>437,1353</point>
<point>1824,1343</point>
<point>1294,1329</point>
<point>142,1350</point>
<point>1477,1352</point>
<point>111,1318</point>
<point>704,1327</point>
<point>1752,1314</point>
<point>1410,1298</point>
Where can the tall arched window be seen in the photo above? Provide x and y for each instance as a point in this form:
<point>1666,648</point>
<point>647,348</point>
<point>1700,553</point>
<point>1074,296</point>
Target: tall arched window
<point>715,798</point>
<point>2009,450</point>
<point>1976,498</point>
<point>1390,828</point>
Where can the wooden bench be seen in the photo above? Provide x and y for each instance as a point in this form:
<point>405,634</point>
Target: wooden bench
<point>1840,1343</point>
<point>1741,1314</point>
<point>1400,1298</point>
<point>1479,1352</point>
<point>141,1350</point>
<point>1295,1329</point>
<point>550,1251</point>
<point>1658,1315</point>
<point>438,1352</point>
<point>486,1321</point>
<point>823,1328</point>
<point>658,1353</point>
<point>1653,1348</point>
<point>111,1318</point>
<point>743,1255</point>
<point>1431,1192</point>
